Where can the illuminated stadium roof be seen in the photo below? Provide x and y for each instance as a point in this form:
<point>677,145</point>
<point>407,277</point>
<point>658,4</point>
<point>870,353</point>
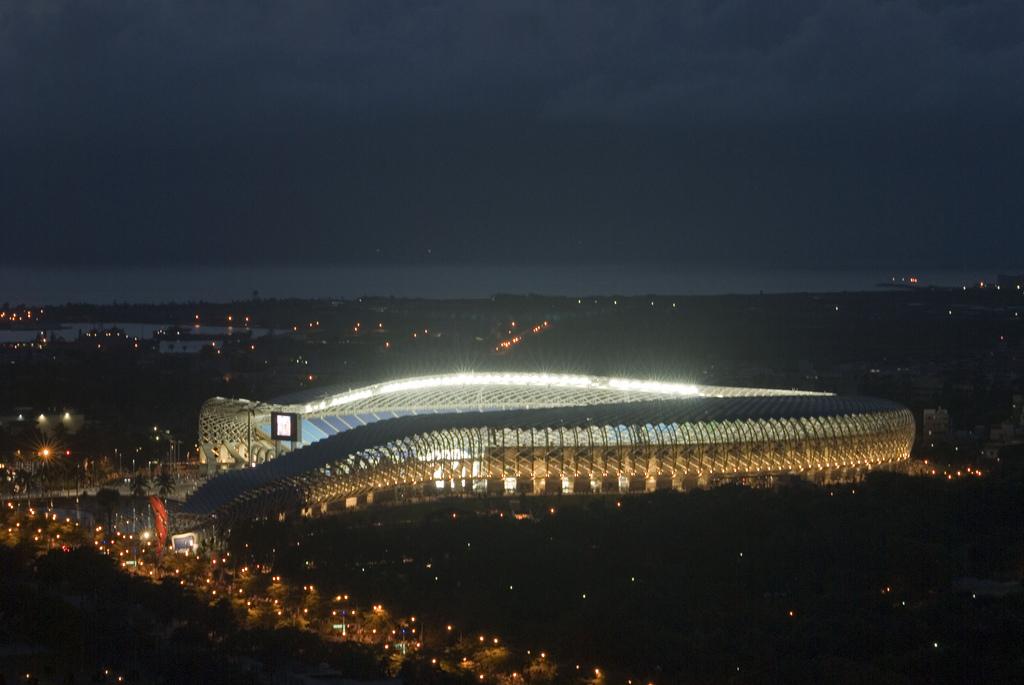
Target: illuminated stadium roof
<point>461,391</point>
<point>479,431</point>
<point>332,412</point>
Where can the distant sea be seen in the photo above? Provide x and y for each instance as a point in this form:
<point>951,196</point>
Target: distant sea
<point>50,286</point>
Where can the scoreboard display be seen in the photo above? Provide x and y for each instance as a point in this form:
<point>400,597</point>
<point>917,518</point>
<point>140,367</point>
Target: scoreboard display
<point>285,427</point>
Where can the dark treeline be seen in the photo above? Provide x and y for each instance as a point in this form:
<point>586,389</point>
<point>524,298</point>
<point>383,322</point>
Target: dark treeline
<point>797,585</point>
<point>91,617</point>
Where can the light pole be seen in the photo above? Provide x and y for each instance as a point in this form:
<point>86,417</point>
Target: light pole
<point>131,493</point>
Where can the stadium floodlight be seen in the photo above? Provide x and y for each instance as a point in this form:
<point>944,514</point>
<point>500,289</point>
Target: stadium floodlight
<point>538,380</point>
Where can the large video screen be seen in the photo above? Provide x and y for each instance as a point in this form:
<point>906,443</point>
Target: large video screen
<point>185,543</point>
<point>284,427</point>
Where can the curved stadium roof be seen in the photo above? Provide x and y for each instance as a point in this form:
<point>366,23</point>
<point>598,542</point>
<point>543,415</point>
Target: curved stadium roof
<point>231,427</point>
<point>682,416</point>
<point>463,390</point>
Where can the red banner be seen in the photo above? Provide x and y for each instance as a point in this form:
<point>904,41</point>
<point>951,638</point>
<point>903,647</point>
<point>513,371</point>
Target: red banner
<point>159,522</point>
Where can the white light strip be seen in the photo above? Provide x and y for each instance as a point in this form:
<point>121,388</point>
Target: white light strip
<point>538,380</point>
<point>653,387</point>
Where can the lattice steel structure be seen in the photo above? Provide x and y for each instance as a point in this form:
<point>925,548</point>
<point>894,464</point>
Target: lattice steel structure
<point>235,432</point>
<point>576,441</point>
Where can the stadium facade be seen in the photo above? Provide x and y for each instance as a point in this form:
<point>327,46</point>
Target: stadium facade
<point>533,433</point>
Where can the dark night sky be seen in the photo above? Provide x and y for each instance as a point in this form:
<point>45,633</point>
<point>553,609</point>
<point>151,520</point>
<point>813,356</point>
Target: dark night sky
<point>785,133</point>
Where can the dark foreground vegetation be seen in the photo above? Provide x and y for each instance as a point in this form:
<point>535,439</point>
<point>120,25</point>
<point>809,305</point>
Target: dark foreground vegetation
<point>74,616</point>
<point>894,579</point>
<point>731,585</point>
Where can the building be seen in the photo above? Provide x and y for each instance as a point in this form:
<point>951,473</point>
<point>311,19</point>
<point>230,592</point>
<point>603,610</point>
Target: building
<point>532,433</point>
<point>934,423</point>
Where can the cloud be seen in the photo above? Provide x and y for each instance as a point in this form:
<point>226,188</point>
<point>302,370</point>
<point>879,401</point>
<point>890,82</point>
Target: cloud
<point>162,130</point>
<point>68,64</point>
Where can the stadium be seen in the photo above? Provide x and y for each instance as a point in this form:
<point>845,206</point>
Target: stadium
<point>511,433</point>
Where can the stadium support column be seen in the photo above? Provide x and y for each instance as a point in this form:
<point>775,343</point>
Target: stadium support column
<point>248,437</point>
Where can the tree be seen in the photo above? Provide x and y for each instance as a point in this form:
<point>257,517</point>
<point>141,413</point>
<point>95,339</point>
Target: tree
<point>7,442</point>
<point>165,483</point>
<point>540,670</point>
<point>108,500</point>
<point>140,485</point>
<point>25,480</point>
